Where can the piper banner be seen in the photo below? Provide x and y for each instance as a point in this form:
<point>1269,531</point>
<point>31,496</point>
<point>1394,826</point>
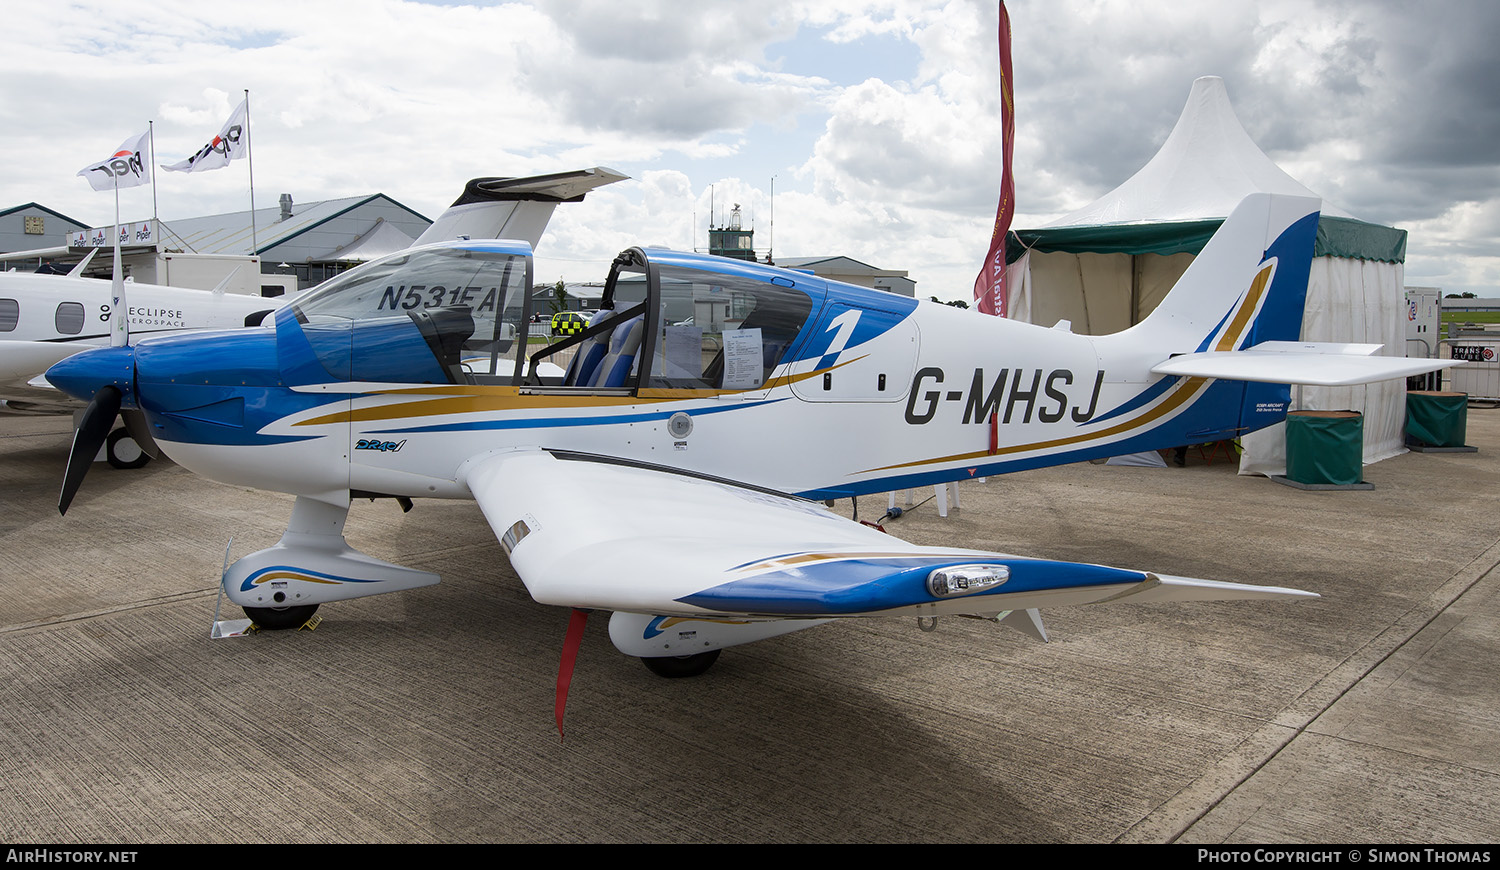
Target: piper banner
<point>232,143</point>
<point>127,167</point>
<point>99,237</point>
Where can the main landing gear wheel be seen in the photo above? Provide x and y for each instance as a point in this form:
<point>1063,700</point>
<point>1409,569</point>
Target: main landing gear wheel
<point>681,666</point>
<point>122,451</point>
<point>278,618</point>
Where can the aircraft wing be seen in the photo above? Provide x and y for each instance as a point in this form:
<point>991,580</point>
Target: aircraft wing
<point>591,532</point>
<point>1312,363</point>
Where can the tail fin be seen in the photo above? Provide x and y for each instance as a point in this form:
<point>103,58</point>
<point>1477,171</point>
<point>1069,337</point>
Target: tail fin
<point>514,208</point>
<point>1248,285</point>
<point>1239,306</point>
<point>1230,328</point>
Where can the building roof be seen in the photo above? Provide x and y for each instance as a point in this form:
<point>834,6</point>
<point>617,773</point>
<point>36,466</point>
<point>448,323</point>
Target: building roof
<point>40,207</point>
<point>835,263</point>
<point>852,271</point>
<point>231,233</point>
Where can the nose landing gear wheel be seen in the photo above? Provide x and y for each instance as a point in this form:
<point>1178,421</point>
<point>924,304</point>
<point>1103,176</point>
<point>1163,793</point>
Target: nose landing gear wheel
<point>681,666</point>
<point>278,618</point>
<point>122,451</point>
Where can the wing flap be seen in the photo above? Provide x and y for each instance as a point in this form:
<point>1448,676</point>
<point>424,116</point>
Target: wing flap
<point>600,534</point>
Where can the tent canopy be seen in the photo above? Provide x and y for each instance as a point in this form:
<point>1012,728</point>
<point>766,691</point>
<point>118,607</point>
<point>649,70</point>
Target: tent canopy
<point>1174,203</point>
<point>381,239</point>
<point>1107,265</point>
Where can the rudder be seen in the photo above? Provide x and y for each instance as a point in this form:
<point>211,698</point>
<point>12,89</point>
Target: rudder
<point>1248,285</point>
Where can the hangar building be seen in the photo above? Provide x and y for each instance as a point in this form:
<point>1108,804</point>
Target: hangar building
<point>292,245</point>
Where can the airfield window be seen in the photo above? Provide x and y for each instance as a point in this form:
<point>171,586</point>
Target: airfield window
<point>447,314</point>
<point>10,314</point>
<point>723,332</point>
<point>69,318</point>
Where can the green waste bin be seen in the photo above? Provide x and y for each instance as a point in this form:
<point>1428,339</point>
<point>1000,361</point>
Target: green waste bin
<point>1437,418</point>
<point>1325,448</point>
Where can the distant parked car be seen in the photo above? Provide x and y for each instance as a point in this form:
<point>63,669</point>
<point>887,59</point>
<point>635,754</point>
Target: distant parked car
<point>568,323</point>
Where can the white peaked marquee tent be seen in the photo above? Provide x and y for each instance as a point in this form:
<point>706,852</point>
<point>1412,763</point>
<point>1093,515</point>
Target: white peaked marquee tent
<point>1107,265</point>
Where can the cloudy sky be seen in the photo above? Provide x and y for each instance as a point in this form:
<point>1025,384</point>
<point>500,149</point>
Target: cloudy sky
<point>877,119</point>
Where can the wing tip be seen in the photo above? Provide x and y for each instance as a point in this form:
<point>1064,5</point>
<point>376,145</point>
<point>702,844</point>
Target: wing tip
<point>1219,590</point>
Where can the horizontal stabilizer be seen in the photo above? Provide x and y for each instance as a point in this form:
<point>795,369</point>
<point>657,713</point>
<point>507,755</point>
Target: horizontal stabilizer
<point>554,187</point>
<point>1347,348</point>
<point>1321,364</point>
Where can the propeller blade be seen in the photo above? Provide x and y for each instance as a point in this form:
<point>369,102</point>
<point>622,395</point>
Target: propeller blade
<point>98,419</point>
<point>140,432</point>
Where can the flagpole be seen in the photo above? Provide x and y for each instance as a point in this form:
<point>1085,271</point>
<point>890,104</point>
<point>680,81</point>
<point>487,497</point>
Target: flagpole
<point>155,215</point>
<point>125,163</point>
<point>250,153</point>
<point>117,333</point>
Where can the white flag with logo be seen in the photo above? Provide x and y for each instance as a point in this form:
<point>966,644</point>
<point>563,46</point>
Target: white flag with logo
<point>232,143</point>
<point>127,167</point>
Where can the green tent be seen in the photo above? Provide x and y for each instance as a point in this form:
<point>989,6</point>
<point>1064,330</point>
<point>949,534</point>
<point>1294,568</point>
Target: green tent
<point>1107,265</point>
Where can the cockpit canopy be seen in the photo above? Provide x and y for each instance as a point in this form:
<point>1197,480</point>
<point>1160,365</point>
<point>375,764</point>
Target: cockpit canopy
<point>460,313</point>
<point>703,323</point>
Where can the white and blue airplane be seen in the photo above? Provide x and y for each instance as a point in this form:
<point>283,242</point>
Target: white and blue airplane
<point>673,473</point>
<point>47,318</point>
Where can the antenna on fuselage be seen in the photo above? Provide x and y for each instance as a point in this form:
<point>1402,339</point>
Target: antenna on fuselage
<point>771,230</point>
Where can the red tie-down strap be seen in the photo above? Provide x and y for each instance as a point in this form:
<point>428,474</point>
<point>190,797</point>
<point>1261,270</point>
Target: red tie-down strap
<point>571,643</point>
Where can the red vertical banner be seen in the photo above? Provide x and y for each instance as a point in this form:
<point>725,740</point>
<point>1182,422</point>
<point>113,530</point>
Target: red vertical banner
<point>989,287</point>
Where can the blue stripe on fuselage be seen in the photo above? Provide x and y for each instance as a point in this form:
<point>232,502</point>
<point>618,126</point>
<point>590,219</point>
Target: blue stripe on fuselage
<point>561,422</point>
<point>1142,398</point>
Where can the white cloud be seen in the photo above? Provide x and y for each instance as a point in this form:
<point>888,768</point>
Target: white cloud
<point>1391,115</point>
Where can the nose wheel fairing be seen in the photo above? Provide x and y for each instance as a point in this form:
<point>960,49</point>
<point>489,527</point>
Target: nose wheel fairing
<point>313,564</point>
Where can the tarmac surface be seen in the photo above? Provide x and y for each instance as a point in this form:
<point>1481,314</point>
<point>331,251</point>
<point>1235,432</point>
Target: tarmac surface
<point>1368,715</point>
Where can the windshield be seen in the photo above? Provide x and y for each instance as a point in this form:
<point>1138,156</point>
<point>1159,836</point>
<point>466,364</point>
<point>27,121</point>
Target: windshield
<point>467,306</point>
